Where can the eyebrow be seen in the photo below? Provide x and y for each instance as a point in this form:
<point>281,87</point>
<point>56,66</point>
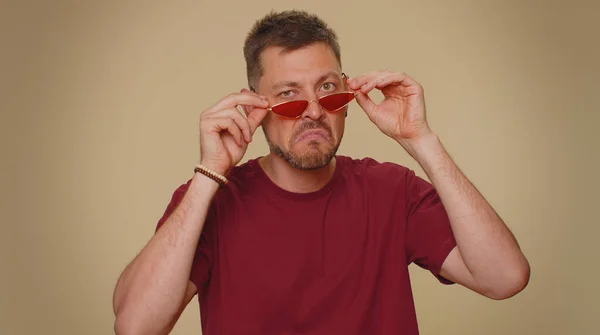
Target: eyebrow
<point>295,84</point>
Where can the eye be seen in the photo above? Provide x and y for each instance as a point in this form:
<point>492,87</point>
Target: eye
<point>328,86</point>
<point>286,94</point>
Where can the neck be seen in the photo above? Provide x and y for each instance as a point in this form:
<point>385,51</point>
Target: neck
<point>294,180</point>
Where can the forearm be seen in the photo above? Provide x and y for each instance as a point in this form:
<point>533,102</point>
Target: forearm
<point>488,248</point>
<point>151,290</point>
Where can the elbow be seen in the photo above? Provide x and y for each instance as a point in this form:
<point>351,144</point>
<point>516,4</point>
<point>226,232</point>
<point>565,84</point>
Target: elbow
<point>129,325</point>
<point>124,328</point>
<point>131,322</point>
<point>514,281</point>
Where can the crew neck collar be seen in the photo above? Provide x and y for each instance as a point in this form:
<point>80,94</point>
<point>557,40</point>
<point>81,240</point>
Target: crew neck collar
<point>272,187</point>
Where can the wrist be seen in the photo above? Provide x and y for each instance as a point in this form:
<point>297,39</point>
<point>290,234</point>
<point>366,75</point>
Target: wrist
<point>218,177</point>
<point>218,168</point>
<point>417,142</point>
<point>203,184</point>
<point>423,147</point>
<point>429,153</point>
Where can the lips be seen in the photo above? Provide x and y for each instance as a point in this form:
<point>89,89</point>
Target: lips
<point>312,134</point>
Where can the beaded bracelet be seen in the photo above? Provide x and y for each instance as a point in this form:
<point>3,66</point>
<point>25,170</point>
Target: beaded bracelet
<point>210,174</point>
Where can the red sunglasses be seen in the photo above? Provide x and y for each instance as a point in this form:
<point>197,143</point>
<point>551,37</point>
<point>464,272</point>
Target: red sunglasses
<point>331,103</point>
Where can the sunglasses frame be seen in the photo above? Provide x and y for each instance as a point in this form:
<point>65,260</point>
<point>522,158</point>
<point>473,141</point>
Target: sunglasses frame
<point>270,109</point>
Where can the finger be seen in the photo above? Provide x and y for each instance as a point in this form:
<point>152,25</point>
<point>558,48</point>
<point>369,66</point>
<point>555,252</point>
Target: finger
<point>246,108</point>
<point>396,79</point>
<point>241,99</point>
<point>358,82</point>
<point>365,102</point>
<point>255,117</point>
<point>239,119</point>
<point>242,122</point>
<point>369,85</point>
<point>228,124</point>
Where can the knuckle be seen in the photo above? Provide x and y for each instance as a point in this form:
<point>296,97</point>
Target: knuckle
<point>204,113</point>
<point>231,96</point>
<point>202,119</point>
<point>235,117</point>
<point>204,127</point>
<point>226,112</point>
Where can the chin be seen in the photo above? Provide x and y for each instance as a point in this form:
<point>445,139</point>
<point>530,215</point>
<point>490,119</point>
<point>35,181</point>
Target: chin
<point>306,155</point>
<point>311,162</point>
<point>311,156</point>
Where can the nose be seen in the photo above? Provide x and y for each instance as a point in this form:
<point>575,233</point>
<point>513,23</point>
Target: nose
<point>314,110</point>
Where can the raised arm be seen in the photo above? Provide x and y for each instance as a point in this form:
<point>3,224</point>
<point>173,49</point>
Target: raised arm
<point>487,258</point>
<point>155,287</point>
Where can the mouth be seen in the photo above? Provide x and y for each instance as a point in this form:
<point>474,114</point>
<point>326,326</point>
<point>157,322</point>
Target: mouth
<point>312,135</point>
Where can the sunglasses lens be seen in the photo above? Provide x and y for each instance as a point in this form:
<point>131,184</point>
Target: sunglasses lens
<point>336,101</point>
<point>291,108</point>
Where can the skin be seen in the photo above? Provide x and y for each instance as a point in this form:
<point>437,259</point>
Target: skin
<point>154,289</point>
<point>487,258</point>
<point>307,74</point>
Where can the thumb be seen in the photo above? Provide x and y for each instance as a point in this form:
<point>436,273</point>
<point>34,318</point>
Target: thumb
<point>255,117</point>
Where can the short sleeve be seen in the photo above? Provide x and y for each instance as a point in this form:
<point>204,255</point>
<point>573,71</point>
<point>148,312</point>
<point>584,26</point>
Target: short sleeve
<point>200,272</point>
<point>429,237</point>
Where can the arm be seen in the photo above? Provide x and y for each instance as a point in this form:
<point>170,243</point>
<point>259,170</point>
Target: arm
<point>487,258</point>
<point>154,288</point>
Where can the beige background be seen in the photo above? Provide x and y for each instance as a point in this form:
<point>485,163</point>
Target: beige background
<point>100,103</point>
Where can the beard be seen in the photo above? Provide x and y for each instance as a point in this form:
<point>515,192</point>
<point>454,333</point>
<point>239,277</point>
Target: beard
<point>312,158</point>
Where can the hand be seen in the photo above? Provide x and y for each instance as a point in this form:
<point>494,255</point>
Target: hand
<point>225,132</point>
<point>401,114</point>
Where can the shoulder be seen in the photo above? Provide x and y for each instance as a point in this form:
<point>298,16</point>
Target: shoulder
<point>372,169</point>
<point>244,171</point>
<point>243,180</point>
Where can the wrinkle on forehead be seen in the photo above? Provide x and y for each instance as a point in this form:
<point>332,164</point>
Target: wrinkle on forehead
<point>306,65</point>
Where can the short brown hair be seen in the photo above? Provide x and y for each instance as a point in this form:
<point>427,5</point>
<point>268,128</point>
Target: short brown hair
<point>292,30</point>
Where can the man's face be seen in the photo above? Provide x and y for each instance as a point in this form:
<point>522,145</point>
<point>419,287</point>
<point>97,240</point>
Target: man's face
<point>310,141</point>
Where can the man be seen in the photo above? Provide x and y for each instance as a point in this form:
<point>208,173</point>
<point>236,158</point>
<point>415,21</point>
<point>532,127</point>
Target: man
<point>303,240</point>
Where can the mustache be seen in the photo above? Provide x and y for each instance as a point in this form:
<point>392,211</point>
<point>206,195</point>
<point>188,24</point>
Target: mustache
<point>318,124</point>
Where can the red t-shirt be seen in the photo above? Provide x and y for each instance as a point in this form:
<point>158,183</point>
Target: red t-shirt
<point>334,261</point>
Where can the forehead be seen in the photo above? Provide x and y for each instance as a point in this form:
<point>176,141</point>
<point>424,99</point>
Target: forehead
<point>299,65</point>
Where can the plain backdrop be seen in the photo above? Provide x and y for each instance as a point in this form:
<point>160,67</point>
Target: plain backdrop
<point>100,103</point>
